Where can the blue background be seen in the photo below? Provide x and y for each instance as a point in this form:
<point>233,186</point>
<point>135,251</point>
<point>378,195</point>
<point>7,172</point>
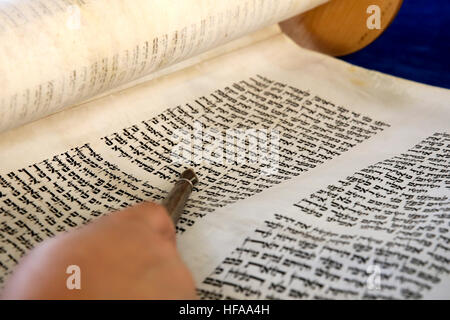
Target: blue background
<point>415,46</point>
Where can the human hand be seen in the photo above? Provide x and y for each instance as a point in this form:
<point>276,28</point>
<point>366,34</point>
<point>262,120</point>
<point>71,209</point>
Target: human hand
<point>129,254</point>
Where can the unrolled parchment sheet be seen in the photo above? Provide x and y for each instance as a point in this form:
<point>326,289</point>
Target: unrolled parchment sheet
<point>353,145</point>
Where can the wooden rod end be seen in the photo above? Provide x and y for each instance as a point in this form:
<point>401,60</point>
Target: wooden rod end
<point>339,27</point>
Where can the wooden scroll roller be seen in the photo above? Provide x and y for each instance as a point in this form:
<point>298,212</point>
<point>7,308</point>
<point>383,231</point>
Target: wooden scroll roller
<point>339,27</point>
